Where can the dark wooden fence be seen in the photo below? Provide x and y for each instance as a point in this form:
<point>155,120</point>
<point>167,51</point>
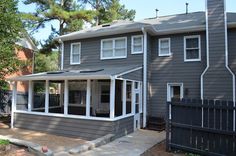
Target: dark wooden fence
<point>203,127</point>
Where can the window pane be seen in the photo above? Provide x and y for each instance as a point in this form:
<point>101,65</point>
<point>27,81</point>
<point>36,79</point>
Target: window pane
<point>137,48</point>
<point>107,44</point>
<point>164,51</point>
<point>76,49</point>
<point>120,43</point>
<point>120,52</point>
<point>192,54</point>
<point>192,43</point>
<point>107,53</point>
<point>75,58</point>
<point>164,44</point>
<point>137,40</point>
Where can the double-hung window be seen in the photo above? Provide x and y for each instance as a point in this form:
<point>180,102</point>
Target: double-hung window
<point>75,53</point>
<point>192,48</point>
<point>164,47</point>
<point>114,48</point>
<point>137,44</point>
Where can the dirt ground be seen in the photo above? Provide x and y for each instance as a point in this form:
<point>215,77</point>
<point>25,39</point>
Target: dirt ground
<point>17,151</point>
<point>160,150</point>
<point>54,142</point>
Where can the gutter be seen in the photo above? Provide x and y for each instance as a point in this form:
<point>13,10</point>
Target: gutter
<point>62,53</point>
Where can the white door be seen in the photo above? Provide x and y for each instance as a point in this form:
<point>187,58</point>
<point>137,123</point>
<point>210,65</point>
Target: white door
<point>137,102</point>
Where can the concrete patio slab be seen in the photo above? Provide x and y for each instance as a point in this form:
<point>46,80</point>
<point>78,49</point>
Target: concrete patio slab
<point>54,142</point>
<point>130,145</point>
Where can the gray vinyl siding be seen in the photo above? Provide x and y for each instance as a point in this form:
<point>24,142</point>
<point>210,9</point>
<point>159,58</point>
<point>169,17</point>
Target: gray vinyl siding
<point>91,49</point>
<point>86,129</point>
<point>136,75</point>
<point>232,49</point>
<point>173,69</point>
<point>217,80</point>
<point>149,71</point>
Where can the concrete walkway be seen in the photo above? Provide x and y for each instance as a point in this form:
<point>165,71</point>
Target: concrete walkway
<point>130,145</point>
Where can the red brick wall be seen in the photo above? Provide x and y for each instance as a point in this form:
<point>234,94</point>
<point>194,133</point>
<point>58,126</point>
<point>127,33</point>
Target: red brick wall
<point>25,55</point>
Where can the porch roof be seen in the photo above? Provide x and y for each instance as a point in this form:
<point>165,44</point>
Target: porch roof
<point>80,73</point>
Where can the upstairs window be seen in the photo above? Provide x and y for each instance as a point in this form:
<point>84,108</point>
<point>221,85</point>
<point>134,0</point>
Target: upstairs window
<point>137,44</point>
<point>192,48</point>
<point>114,48</point>
<point>75,53</point>
<point>164,47</point>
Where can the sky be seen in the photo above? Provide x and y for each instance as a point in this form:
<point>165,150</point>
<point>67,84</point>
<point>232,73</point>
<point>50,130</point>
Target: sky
<point>144,9</point>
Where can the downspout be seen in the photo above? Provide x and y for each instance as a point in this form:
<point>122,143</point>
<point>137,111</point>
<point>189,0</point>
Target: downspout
<point>207,51</point>
<point>62,53</point>
<point>144,77</point>
<point>226,60</point>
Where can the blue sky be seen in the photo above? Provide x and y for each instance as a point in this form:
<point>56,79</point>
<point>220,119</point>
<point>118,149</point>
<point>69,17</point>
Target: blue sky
<point>144,9</point>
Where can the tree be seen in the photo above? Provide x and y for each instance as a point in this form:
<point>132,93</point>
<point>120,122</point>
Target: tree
<point>46,62</point>
<point>68,13</point>
<point>10,30</point>
<point>109,10</point>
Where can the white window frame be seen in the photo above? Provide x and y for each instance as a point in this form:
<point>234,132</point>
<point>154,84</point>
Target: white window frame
<point>113,48</point>
<point>71,53</point>
<point>185,48</point>
<point>132,44</point>
<point>169,85</point>
<point>159,49</point>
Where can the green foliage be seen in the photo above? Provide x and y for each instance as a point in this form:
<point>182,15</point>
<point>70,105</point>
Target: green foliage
<point>109,10</point>
<point>4,142</point>
<point>10,28</point>
<point>4,85</point>
<point>68,13</point>
<point>46,62</point>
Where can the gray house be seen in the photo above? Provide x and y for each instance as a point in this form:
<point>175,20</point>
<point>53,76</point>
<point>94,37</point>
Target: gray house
<point>115,76</point>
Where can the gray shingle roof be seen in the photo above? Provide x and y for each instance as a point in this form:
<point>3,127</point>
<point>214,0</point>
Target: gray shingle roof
<point>163,23</point>
<point>92,72</point>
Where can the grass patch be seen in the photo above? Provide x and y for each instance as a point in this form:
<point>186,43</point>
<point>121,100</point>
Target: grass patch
<point>4,142</point>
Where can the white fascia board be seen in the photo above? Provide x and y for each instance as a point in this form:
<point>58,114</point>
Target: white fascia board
<point>82,35</point>
<point>62,77</point>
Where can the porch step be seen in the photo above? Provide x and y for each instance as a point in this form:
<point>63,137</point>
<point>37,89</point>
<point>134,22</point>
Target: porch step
<point>155,123</point>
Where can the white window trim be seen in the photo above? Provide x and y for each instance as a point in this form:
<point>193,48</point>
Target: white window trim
<point>71,53</point>
<point>159,45</point>
<point>132,44</point>
<point>175,84</point>
<point>113,48</point>
<point>199,46</point>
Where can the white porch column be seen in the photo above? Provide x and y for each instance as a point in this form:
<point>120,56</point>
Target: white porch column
<point>133,98</point>
<point>30,95</point>
<point>124,98</point>
<point>88,95</point>
<point>46,96</point>
<point>13,104</point>
<point>66,97</point>
<point>112,98</point>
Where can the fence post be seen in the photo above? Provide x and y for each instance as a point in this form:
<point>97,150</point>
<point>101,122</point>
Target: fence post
<point>168,114</point>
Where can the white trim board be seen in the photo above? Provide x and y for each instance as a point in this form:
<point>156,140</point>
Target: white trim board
<point>74,116</point>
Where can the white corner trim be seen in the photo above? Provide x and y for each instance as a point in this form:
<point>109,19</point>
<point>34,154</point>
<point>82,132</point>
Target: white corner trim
<point>113,49</point>
<point>144,77</point>
<point>71,53</point>
<point>159,46</point>
<point>132,44</point>
<point>185,48</point>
